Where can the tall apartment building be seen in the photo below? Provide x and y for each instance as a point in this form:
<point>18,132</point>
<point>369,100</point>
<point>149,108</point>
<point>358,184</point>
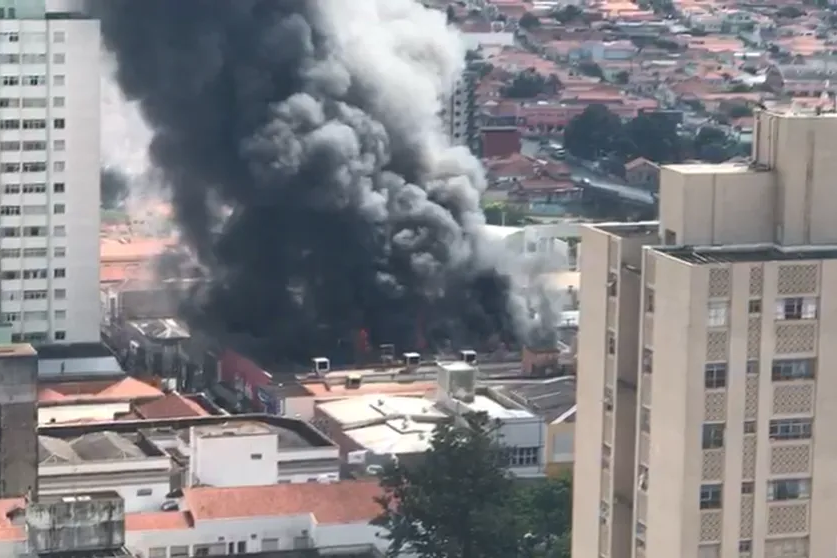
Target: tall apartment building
<point>49,172</point>
<point>705,400</point>
<point>459,113</point>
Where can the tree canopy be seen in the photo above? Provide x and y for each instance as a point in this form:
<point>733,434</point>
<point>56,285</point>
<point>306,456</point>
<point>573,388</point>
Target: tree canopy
<point>460,501</point>
<point>530,83</point>
<point>529,21</point>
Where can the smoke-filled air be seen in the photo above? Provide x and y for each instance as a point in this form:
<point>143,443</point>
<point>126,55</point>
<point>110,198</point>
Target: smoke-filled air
<point>301,144</point>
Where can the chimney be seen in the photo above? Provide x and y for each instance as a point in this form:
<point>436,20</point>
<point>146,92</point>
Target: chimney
<point>468,356</point>
<point>353,381</point>
<point>321,365</point>
<point>411,362</point>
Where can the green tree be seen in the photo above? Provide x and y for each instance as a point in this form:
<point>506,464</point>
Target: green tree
<point>456,502</point>
<point>654,138</point>
<point>594,133</point>
<point>503,214</point>
<point>740,111</point>
<point>528,84</point>
<point>529,21</point>
<point>712,144</point>
<point>591,69</point>
<point>789,12</point>
<point>544,515</point>
<point>567,14</point>
<point>622,77</point>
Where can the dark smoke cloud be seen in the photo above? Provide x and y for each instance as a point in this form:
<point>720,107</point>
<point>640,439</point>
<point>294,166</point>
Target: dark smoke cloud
<point>300,142</point>
<point>114,188</point>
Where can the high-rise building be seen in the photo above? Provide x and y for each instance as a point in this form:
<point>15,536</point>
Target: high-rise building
<point>18,421</point>
<point>705,401</point>
<point>49,172</point>
<point>459,113</point>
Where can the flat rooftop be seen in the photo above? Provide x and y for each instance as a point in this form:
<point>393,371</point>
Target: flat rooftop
<point>17,350</point>
<point>296,431</point>
<point>713,168</point>
<point>629,230</point>
<point>161,329</point>
<point>552,399</point>
<point>48,499</point>
<point>700,255</point>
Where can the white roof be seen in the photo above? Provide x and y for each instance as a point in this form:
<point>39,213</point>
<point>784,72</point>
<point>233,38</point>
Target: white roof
<point>495,410</point>
<point>356,412</point>
<point>393,438</point>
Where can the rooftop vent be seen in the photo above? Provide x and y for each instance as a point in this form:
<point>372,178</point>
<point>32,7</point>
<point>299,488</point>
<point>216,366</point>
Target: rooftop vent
<point>353,381</point>
<point>321,365</point>
<point>468,356</point>
<point>412,360</point>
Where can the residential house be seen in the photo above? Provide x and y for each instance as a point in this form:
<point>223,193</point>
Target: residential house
<point>642,173</point>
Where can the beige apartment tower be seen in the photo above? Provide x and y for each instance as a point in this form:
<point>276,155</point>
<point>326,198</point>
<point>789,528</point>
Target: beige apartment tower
<point>707,410</point>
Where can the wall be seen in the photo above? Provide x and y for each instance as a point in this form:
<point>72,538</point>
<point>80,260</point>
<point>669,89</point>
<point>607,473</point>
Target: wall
<point>559,448</point>
<point>18,434</point>
<point>70,413</point>
<point>81,175</point>
<point>140,495</point>
<point>248,378</point>
<point>230,461</point>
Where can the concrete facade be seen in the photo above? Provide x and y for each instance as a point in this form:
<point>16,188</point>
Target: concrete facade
<point>704,400</point>
<point>49,174</point>
<point>18,420</point>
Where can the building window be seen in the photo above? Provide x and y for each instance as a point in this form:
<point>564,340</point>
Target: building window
<point>141,491</point>
<point>753,367</point>
<point>59,123</point>
<point>749,427</point>
<point>524,457</point>
<point>649,300</point>
<point>10,232</point>
<point>8,275</point>
<point>34,273</point>
<point>9,210</point>
<point>9,317</point>
<point>9,102</point>
<point>34,209</point>
<point>270,544</point>
<point>612,285</point>
<point>611,343</point>
<point>34,188</point>
<point>717,316</point>
<point>255,456</point>
<point>59,58</point>
<point>745,546</point>
<point>59,273</point>
<point>647,361</point>
<point>59,166</point>
<point>791,429</point>
<point>747,487</point>
<point>34,295</point>
<point>35,253</point>
<point>60,335</point>
<point>10,124</point>
<point>645,419</point>
<point>60,315</point>
<point>59,209</point>
<point>158,552</point>
<point>793,369</point>
<point>710,496</point>
<point>713,435</point>
<point>608,399</point>
<point>59,37</point>
<point>58,102</point>
<point>58,187</point>
<point>60,294</point>
<point>11,189</point>
<point>789,489</point>
<point>35,315</point>
<point>58,80</point>
<point>34,80</point>
<point>796,308</point>
<point>715,375</point>
<point>59,145</point>
<point>606,454</point>
<point>11,80</point>
<point>34,231</point>
<point>34,166</point>
<point>10,253</point>
<point>642,478</point>
<point>34,145</point>
<point>9,146</point>
<point>59,252</point>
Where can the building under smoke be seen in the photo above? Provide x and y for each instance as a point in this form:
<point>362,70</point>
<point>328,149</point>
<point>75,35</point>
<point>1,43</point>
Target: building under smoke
<point>309,173</point>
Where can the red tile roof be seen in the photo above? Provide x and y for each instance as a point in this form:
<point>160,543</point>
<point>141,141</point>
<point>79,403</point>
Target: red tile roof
<point>337,503</point>
<point>172,405</point>
<point>124,389</point>
<point>8,531</point>
<point>157,521</point>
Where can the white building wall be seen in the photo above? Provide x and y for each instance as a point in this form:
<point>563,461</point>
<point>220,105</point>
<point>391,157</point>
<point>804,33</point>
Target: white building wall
<point>257,460</point>
<point>253,531</point>
<point>140,495</point>
<point>49,179</point>
<point>71,413</point>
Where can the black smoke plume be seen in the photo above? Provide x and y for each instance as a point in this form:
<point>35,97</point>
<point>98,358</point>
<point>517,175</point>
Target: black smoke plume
<point>114,187</point>
<point>307,172</point>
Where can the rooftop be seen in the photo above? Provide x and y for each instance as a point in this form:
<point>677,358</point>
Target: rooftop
<point>378,409</point>
<point>17,350</point>
<point>553,398</point>
<point>747,253</point>
<point>321,389</point>
<point>173,405</point>
<point>628,230</point>
<point>161,329</point>
<point>295,431</point>
<point>287,438</point>
<point>712,168</point>
<point>341,502</point>
<point>95,446</point>
<point>124,389</point>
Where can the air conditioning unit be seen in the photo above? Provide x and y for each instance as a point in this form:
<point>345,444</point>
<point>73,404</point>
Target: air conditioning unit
<point>321,365</point>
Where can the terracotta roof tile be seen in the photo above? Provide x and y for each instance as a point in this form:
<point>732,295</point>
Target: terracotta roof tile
<point>172,405</point>
<point>126,389</point>
<point>341,502</point>
<point>9,532</point>
<point>157,521</point>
